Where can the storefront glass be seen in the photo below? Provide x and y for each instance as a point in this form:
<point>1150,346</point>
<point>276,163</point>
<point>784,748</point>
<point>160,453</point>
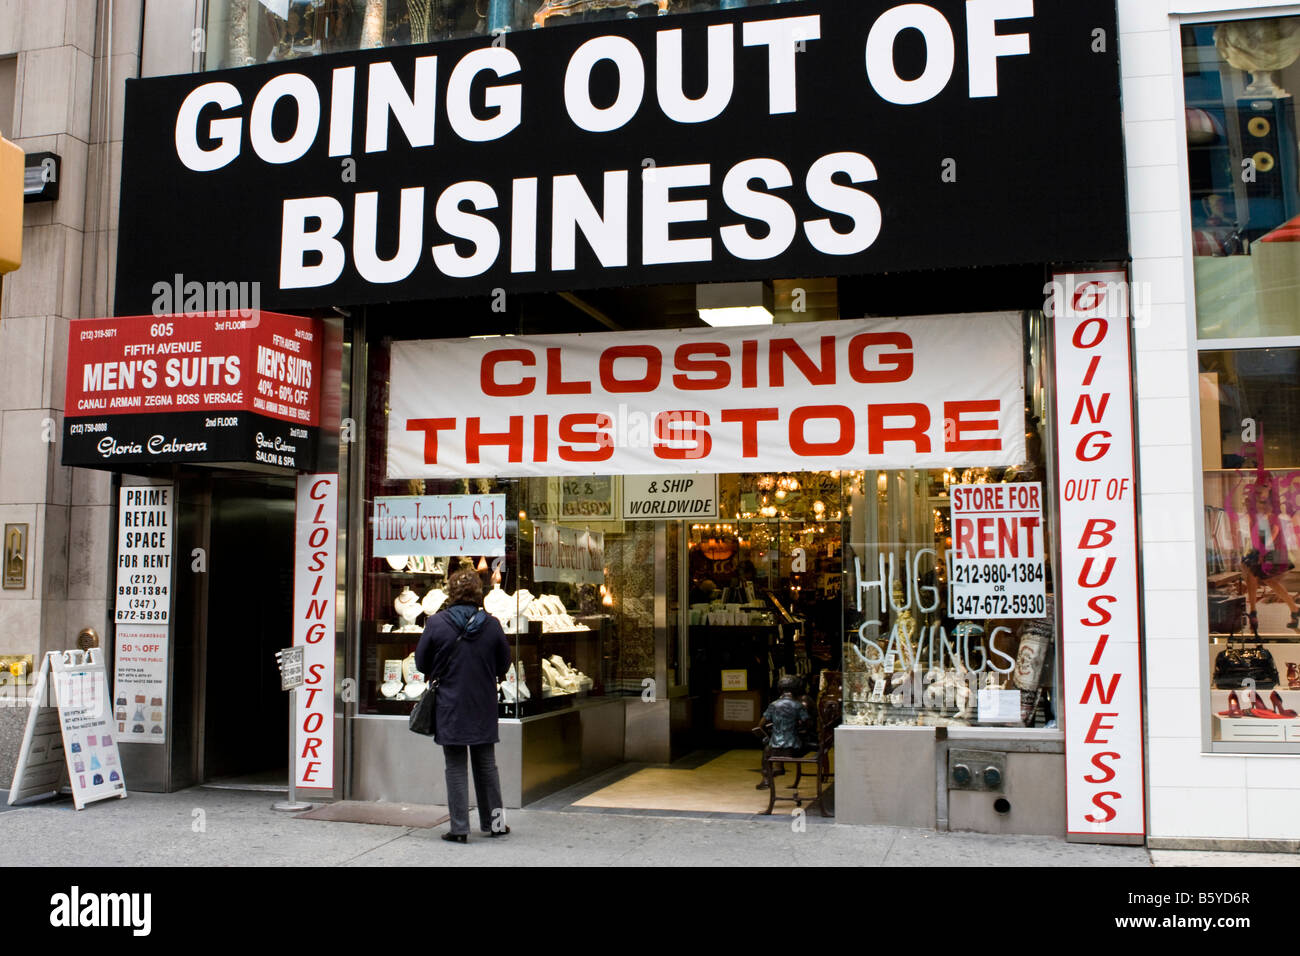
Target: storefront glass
<point>1250,421</point>
<point>776,581</point>
<point>1244,173</point>
<point>574,587</point>
<point>244,32</point>
<point>936,643</point>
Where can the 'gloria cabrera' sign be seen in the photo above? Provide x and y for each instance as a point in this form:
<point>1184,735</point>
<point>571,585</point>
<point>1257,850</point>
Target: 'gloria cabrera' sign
<point>200,389</point>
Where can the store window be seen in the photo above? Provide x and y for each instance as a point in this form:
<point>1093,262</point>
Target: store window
<point>932,638</point>
<point>244,32</point>
<point>777,581</point>
<point>576,589</point>
<point>1250,423</point>
<point>1244,172</point>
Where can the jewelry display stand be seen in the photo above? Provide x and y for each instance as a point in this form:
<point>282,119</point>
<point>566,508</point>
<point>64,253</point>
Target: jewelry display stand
<point>410,590</point>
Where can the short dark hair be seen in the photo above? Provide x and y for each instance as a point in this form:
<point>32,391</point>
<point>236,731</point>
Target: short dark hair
<point>789,684</point>
<point>465,587</point>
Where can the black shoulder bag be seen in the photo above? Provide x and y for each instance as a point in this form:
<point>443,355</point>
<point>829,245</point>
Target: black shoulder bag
<point>424,716</point>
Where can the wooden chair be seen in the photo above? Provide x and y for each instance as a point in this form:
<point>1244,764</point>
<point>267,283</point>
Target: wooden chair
<point>819,758</point>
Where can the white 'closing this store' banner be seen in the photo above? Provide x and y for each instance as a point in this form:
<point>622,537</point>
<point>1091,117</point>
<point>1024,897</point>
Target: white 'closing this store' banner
<point>937,391</point>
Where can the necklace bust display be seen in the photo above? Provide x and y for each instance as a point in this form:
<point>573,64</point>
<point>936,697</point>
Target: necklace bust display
<point>414,679</point>
<point>432,601</point>
<point>498,603</point>
<point>407,605</point>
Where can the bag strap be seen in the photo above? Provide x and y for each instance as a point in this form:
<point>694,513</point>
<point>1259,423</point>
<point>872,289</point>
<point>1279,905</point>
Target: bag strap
<point>448,654</point>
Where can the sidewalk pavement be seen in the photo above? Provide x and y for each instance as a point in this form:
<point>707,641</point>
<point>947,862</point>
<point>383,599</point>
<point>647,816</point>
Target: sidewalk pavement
<point>200,827</point>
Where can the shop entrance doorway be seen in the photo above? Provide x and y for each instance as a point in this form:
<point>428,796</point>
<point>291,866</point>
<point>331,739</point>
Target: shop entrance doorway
<point>245,715</point>
<point>764,603</point>
<point>742,602</point>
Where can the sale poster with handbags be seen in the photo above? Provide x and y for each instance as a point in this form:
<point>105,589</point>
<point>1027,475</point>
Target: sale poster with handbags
<point>140,682</point>
<point>94,770</point>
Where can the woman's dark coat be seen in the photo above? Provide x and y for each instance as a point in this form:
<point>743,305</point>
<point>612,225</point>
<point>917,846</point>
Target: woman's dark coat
<point>468,672</point>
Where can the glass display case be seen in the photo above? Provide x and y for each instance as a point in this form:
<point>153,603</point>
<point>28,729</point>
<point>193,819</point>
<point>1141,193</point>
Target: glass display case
<point>572,586</point>
<point>408,589</point>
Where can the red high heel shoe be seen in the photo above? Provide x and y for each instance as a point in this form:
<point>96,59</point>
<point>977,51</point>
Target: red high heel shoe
<point>1258,708</point>
<point>1234,707</point>
<point>1276,699</point>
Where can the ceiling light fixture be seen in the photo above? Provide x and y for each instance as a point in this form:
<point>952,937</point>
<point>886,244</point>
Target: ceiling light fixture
<point>735,303</point>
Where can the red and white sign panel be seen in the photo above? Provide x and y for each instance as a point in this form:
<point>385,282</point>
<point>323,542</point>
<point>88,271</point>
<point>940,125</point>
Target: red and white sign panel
<point>1101,651</point>
<point>193,388</point>
<point>316,548</point>
<point>939,391</point>
<point>996,566</point>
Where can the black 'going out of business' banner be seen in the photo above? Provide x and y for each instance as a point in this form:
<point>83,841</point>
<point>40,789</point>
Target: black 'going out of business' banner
<point>824,137</point>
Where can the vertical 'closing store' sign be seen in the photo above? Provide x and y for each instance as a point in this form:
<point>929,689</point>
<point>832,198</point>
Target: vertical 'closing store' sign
<point>314,579</point>
<point>1100,613</point>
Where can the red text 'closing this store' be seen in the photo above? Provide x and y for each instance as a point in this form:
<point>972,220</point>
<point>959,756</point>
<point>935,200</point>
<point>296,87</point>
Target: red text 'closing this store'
<point>938,391</point>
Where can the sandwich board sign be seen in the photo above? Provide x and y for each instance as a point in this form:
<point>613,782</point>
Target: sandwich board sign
<point>70,735</point>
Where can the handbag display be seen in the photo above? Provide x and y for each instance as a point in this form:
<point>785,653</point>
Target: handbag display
<point>1233,665</point>
<point>1227,612</point>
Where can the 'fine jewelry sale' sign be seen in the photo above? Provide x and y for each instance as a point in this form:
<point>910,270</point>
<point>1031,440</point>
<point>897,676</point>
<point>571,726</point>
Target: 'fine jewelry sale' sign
<point>437,525</point>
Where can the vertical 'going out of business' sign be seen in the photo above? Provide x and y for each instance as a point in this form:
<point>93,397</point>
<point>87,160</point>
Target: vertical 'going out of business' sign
<point>1100,612</point>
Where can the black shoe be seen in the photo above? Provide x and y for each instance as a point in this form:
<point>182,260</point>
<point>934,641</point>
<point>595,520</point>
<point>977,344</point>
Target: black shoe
<point>456,837</point>
<point>496,833</point>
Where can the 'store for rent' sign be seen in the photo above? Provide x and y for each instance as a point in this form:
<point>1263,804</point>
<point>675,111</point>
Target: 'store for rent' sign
<point>1099,597</point>
<point>996,567</point>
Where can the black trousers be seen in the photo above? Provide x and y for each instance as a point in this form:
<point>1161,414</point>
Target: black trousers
<point>487,787</point>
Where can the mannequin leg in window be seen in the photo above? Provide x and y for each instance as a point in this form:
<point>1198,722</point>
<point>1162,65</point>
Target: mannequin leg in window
<point>1275,585</point>
<point>1252,589</point>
